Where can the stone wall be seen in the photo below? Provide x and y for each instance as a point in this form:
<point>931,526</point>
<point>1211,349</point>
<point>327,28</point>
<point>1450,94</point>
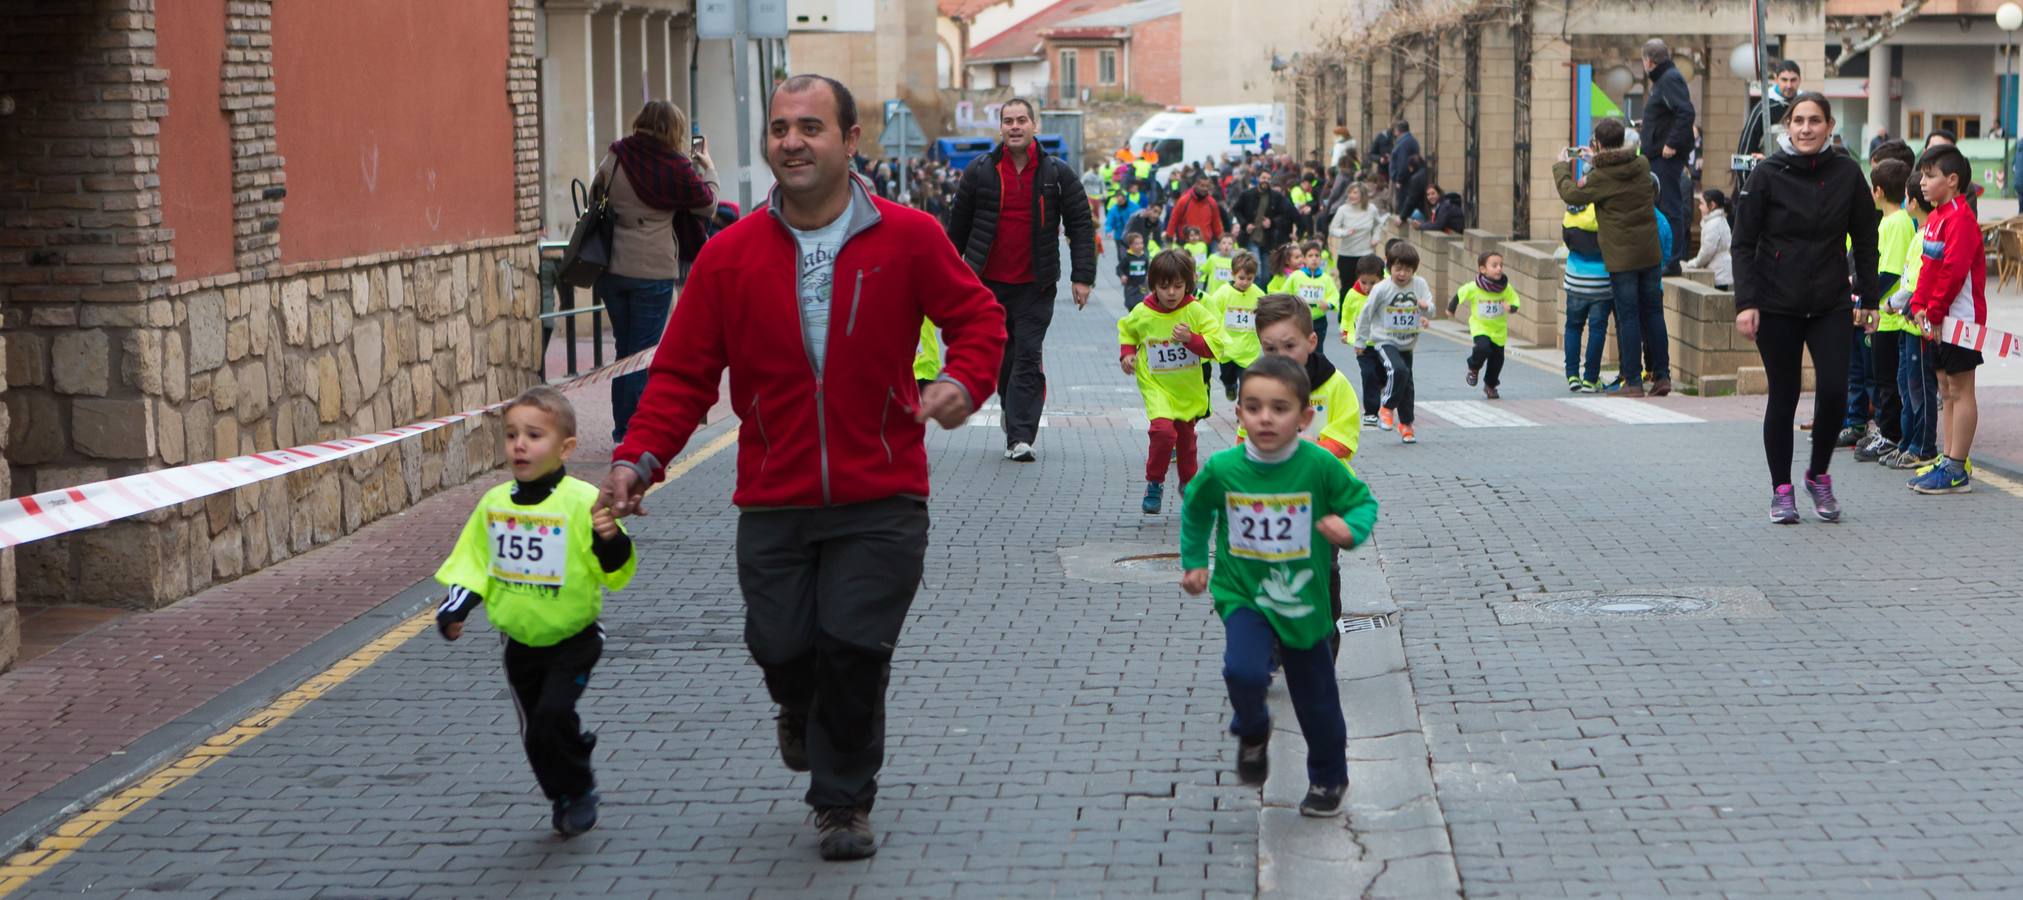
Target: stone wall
<point>115,365</point>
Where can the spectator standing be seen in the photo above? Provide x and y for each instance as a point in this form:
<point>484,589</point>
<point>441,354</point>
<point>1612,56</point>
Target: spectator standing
<point>1411,199</point>
<point>1668,137</point>
<point>1195,208</point>
<point>1013,204</point>
<point>660,198</point>
<point>1715,239</point>
<point>1619,185</point>
<point>1403,149</point>
<point>1796,220</point>
<point>1759,137</point>
<point>1354,230</point>
<point>1265,215</point>
<point>832,480</point>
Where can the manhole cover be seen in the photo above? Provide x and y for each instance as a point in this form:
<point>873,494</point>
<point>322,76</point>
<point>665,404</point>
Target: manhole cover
<point>1121,563</point>
<point>1694,602</point>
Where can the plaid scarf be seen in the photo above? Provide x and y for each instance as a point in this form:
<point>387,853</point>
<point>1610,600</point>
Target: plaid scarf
<point>662,178</point>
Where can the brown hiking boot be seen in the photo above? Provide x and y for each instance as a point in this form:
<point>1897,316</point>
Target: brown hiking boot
<point>1662,387</point>
<point>1491,393</point>
<point>846,833</point>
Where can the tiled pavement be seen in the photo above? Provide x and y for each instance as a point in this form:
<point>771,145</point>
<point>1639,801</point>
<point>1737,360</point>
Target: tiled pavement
<point>1064,738</point>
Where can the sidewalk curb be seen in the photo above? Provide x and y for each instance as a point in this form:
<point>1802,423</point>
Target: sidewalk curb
<point>28,822</point>
<point>1394,840</point>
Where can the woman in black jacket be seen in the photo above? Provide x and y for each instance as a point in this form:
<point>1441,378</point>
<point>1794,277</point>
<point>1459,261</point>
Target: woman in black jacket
<point>1795,220</point>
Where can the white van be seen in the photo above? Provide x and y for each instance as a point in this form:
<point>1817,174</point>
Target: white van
<point>1190,134</point>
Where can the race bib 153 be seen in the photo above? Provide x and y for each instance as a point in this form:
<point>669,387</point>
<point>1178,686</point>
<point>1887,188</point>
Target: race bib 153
<point>1169,356</point>
<point>528,548</point>
<point>1270,527</point>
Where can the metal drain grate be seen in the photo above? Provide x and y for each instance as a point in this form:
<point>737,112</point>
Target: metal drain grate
<point>1354,624</point>
<point>1694,602</point>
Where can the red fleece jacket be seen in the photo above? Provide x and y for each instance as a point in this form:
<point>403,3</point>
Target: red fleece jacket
<point>847,436</point>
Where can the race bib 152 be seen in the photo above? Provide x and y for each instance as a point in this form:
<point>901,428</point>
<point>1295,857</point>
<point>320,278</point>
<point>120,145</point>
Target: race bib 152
<point>1270,527</point>
<point>528,548</point>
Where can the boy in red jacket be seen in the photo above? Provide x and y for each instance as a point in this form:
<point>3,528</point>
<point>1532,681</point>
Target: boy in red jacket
<point>1952,285</point>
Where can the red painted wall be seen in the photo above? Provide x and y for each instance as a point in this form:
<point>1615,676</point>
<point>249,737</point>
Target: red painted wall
<point>393,118</point>
<point>1155,60</point>
<point>196,139</point>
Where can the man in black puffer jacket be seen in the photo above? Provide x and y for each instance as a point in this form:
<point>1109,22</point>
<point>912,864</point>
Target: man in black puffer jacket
<point>1668,139</point>
<point>1011,206</point>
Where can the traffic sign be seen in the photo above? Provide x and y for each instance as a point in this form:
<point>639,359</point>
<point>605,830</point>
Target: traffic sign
<point>1243,129</point>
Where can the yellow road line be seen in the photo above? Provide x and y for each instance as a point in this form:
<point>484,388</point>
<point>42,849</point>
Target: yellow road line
<point>2001,483</point>
<point>17,870</point>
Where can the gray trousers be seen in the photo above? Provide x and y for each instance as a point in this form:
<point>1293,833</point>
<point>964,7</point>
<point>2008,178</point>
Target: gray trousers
<point>826,591</point>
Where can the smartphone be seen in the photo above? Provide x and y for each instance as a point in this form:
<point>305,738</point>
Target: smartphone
<point>696,143</point>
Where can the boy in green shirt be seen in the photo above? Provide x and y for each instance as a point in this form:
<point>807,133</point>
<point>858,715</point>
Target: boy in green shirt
<point>1314,286</point>
<point>1490,299</point>
<point>1894,236</point>
<point>1269,504</point>
<point>1369,271</point>
<point>1163,341</point>
<point>540,559</point>
<point>1222,263</point>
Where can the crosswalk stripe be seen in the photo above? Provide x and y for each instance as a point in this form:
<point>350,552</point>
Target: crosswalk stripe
<point>1475,414</point>
<point>1630,412</point>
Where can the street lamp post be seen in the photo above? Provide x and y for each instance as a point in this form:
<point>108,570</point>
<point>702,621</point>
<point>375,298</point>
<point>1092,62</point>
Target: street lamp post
<point>2009,17</point>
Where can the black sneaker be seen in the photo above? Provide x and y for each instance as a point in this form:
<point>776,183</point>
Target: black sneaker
<point>792,726</point>
<point>1473,374</point>
<point>1323,802</point>
<point>575,815</point>
<point>1253,761</point>
<point>1874,450</point>
<point>1229,392</point>
<point>1850,435</point>
<point>846,833</point>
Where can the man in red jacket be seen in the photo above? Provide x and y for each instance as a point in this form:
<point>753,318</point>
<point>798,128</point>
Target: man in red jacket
<point>1197,208</point>
<point>815,305</point>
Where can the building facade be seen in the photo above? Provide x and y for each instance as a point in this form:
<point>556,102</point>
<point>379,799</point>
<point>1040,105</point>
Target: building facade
<point>1131,51</point>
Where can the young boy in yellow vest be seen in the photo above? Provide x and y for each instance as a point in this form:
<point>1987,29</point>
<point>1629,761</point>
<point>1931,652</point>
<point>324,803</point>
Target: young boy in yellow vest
<point>1235,302</point>
<point>1490,299</point>
<point>1314,286</point>
<point>539,559</point>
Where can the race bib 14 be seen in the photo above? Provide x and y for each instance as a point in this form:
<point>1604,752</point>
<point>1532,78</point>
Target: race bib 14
<point>1240,320</point>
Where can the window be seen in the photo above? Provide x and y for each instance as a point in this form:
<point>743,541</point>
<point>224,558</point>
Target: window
<point>1000,75</point>
<point>1961,125</point>
<point>1070,79</point>
<point>1917,129</point>
<point>1106,67</point>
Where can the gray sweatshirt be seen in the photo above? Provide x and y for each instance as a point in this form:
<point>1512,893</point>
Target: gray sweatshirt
<point>1394,315</point>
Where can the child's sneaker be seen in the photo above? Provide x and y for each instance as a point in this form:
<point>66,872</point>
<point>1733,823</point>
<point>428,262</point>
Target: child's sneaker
<point>1949,477</point>
<point>1230,393</point>
<point>1574,384</point>
<point>1253,760</point>
<point>1783,506</point>
<point>575,815</point>
<point>1823,503</point>
<point>1590,387</point>
<point>1472,375</point>
<point>1874,450</point>
<point>1386,419</point>
<point>1323,802</point>
<point>1154,491</point>
<point>1406,434</point>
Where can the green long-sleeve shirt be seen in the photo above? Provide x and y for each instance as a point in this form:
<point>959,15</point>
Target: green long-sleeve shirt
<point>1270,555</point>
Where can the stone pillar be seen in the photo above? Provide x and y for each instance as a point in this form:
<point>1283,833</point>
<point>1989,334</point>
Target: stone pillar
<point>1881,113</point>
<point>1551,128</point>
<point>680,29</point>
<point>1497,122</point>
<point>247,95</point>
<point>569,118</point>
<point>632,45</point>
<point>660,60</point>
<point>523,91</point>
<point>607,98</point>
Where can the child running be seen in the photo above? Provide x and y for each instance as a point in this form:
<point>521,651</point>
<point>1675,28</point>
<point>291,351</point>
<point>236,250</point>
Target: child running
<point>1197,249</point>
<point>1133,265</point>
<point>540,560</point>
<point>1952,285</point>
<point>1490,299</point>
<point>1314,286</point>
<point>1236,303</point>
<point>1369,271</point>
<point>1268,505</point>
<point>1222,267</point>
<point>1389,327</point>
<point>1163,342</point>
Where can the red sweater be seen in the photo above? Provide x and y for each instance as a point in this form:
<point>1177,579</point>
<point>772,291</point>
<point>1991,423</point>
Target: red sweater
<point>849,435</point>
<point>1954,269</point>
<point>1204,214</point>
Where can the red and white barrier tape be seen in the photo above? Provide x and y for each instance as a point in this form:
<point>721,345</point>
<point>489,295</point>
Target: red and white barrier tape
<point>61,511</point>
<point>1993,344</point>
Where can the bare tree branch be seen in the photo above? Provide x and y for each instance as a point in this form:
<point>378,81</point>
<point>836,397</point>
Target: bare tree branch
<point>1873,31</point>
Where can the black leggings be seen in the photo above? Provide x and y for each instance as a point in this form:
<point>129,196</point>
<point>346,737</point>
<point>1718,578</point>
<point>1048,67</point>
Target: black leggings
<point>1781,340</point>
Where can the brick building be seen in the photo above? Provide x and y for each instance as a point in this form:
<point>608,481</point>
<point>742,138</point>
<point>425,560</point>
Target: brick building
<point>236,225</point>
<point>1129,51</point>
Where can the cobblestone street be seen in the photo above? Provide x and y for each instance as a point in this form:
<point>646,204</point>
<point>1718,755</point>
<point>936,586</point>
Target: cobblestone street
<point>1057,736</point>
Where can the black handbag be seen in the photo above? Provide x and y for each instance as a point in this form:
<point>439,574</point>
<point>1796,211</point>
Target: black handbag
<point>589,250</point>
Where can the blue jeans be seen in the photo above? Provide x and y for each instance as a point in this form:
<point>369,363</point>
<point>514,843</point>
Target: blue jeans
<point>1640,324</point>
<point>1593,314</point>
<point>1918,383</point>
<point>1309,677</point>
<point>637,308</point>
<point>1860,392</point>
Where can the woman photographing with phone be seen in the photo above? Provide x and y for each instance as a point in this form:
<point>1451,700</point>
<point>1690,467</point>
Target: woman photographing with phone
<point>1798,214</point>
<point>657,192</point>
